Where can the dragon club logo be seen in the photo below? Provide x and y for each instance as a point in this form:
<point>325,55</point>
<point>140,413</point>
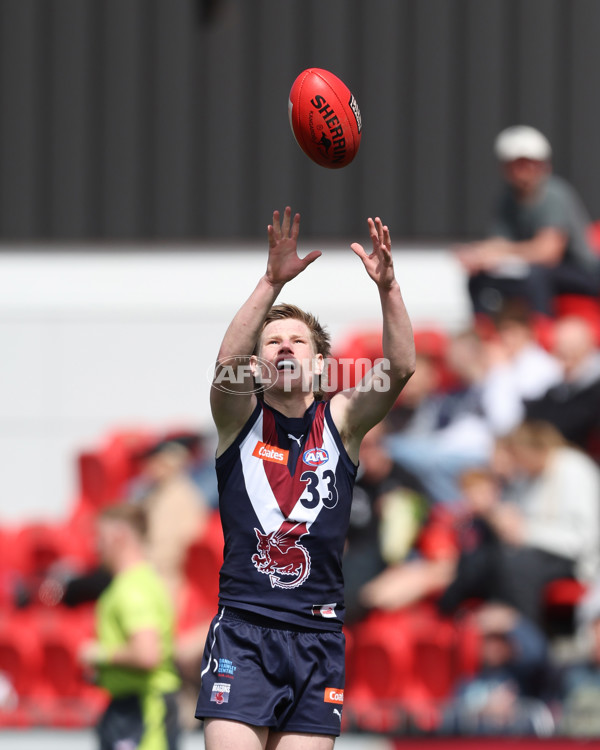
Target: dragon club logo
<point>281,557</point>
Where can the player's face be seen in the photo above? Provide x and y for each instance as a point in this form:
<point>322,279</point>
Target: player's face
<point>288,345</point>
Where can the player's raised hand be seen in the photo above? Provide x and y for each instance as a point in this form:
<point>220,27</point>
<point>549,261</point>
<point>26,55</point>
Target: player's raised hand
<point>284,263</point>
<point>379,263</point>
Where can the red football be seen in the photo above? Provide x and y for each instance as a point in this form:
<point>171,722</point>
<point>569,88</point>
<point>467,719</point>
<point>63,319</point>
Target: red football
<point>325,118</point>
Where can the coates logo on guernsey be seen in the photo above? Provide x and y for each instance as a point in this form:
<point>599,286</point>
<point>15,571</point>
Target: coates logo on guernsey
<point>334,695</point>
<point>315,456</point>
<point>270,453</point>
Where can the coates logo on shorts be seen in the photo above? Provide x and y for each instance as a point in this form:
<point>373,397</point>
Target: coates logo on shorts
<point>315,456</point>
<point>237,374</point>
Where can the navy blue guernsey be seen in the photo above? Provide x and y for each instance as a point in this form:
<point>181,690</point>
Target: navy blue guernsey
<point>285,491</point>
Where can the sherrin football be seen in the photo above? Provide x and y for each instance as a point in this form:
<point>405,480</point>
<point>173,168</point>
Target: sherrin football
<point>324,118</point>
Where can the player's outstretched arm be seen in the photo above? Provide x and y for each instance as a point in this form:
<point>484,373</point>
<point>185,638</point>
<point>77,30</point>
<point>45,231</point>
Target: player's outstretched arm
<point>232,405</point>
<point>358,409</point>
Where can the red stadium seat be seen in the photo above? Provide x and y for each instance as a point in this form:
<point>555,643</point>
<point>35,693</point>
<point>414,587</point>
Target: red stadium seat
<point>468,646</point>
<point>381,658</point>
<point>594,236</point>
<point>12,568</point>
<point>44,545</point>
<point>581,307</point>
<point>20,654</point>
<point>204,559</point>
<point>64,695</point>
<point>435,663</point>
<point>12,551</point>
<point>104,473</point>
<point>101,478</point>
<point>358,346</point>
<point>366,344</point>
<point>564,592</point>
<point>194,607</point>
<point>561,598</point>
<point>61,633</point>
<point>41,546</point>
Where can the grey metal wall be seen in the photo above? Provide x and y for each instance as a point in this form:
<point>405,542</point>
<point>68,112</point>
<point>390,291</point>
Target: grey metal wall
<point>167,119</point>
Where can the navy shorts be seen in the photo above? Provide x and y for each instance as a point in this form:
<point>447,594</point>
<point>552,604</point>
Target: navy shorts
<point>270,674</point>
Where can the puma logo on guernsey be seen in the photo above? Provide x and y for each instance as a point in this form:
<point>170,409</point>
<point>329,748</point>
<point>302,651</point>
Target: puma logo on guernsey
<point>270,453</point>
<point>297,439</point>
<point>280,555</point>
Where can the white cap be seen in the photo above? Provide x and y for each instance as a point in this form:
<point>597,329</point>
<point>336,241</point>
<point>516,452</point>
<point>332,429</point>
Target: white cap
<point>522,142</point>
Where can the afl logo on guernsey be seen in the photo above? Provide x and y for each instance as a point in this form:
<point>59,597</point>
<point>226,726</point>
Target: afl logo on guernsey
<point>315,456</point>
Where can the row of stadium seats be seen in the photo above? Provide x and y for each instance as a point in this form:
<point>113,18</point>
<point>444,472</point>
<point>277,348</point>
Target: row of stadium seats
<point>410,658</point>
<point>38,660</point>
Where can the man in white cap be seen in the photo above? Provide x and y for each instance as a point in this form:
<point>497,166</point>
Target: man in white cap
<point>538,245</point>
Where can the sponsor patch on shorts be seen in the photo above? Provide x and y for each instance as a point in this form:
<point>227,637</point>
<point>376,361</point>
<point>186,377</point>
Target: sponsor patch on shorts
<point>220,692</point>
<point>333,695</point>
<point>226,668</point>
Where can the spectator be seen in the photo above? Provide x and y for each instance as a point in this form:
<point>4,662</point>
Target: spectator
<point>573,405</point>
<point>550,529</point>
<point>133,653</point>
<point>538,245</point>
<point>518,368</point>
<point>388,508</point>
<point>477,573</point>
<point>445,433</point>
<point>177,511</point>
<point>177,514</point>
<point>580,694</point>
<point>418,405</point>
<point>506,696</point>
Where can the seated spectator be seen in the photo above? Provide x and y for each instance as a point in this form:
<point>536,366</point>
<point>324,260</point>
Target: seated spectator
<point>518,368</point>
<point>201,464</point>
<point>423,574</point>
<point>388,508</point>
<point>177,511</point>
<point>580,684</point>
<point>444,433</point>
<point>573,405</point>
<point>475,575</point>
<point>506,696</point>
<point>538,245</point>
<point>548,530</point>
